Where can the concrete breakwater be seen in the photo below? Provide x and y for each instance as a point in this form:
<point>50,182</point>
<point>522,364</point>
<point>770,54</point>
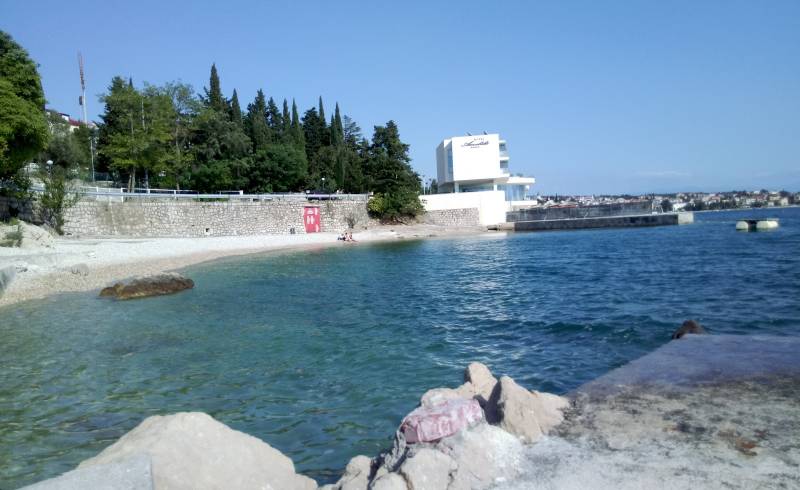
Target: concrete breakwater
<point>663,219</point>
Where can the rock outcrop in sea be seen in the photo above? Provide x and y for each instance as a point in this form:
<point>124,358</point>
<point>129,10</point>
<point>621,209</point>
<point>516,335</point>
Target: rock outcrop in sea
<point>470,437</point>
<point>143,287</point>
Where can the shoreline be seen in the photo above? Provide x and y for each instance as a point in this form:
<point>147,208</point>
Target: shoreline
<point>85,264</point>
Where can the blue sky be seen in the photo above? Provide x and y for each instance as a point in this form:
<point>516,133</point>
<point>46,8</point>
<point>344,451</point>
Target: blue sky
<point>593,97</point>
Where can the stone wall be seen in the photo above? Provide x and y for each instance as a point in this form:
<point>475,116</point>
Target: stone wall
<point>453,217</point>
<point>168,218</point>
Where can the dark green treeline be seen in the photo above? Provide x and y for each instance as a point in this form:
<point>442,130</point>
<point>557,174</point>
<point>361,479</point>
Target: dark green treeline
<point>174,138</point>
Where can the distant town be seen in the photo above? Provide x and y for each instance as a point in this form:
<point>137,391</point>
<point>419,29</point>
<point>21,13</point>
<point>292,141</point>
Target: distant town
<point>683,201</point>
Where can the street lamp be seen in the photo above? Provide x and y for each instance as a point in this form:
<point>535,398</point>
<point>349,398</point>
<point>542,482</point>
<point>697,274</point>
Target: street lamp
<point>323,185</point>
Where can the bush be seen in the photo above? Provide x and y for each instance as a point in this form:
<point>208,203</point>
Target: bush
<point>57,197</point>
<point>395,206</point>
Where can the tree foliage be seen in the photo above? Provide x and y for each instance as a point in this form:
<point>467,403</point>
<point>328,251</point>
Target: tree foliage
<point>210,145</point>
<point>23,128</point>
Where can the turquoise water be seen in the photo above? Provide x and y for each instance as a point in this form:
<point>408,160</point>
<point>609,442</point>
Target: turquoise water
<point>321,353</point>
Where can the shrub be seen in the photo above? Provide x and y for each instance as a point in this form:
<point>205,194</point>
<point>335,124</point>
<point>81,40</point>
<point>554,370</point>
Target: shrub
<point>58,196</point>
<point>395,206</point>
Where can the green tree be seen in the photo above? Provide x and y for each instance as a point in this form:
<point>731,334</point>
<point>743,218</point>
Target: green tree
<point>297,132</point>
<point>66,149</point>
<point>23,127</point>
<point>390,176</point>
<point>287,121</point>
<point>274,119</point>
<point>214,98</point>
<point>236,110</point>
<point>221,153</point>
<point>337,130</point>
<point>257,128</point>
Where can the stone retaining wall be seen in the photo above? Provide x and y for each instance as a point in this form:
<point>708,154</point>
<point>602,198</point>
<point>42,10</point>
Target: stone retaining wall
<point>166,218</point>
<point>462,217</point>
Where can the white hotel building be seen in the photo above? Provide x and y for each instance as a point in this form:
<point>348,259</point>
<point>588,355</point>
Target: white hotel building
<point>478,163</point>
<point>472,171</point>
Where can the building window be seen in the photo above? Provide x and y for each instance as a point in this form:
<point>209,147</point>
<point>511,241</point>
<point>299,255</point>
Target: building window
<point>450,163</point>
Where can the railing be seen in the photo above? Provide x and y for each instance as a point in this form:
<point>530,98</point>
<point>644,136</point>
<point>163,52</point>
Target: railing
<point>122,194</point>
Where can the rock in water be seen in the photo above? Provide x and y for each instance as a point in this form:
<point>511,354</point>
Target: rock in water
<point>192,450</point>
<point>481,379</point>
<point>689,326</point>
<point>142,287</point>
<point>525,414</point>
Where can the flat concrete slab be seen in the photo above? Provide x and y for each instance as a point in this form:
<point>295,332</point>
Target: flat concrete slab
<point>704,411</point>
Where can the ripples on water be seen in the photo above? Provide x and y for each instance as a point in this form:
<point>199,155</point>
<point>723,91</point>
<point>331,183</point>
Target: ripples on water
<point>321,353</point>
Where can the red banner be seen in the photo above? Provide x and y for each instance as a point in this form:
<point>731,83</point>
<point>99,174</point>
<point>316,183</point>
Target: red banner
<point>311,218</point>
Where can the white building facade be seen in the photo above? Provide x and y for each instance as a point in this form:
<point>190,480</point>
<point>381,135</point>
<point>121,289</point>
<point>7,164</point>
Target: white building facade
<point>478,164</point>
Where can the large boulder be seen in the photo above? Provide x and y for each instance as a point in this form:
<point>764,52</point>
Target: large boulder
<point>428,469</point>
<point>389,481</point>
<point>191,450</point>
<point>525,414</point>
<point>483,456</point>
<point>356,475</point>
<point>142,287</point>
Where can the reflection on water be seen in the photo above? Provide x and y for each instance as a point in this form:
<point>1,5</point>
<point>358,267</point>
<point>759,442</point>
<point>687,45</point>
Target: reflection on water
<point>321,353</point>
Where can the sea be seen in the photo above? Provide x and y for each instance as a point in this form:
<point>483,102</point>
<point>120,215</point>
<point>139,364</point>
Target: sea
<point>322,352</point>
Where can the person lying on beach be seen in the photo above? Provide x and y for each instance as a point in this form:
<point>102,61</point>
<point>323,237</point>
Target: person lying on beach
<point>350,237</point>
<point>342,237</point>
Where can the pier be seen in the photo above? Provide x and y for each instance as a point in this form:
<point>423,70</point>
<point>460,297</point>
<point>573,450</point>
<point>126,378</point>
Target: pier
<point>661,219</point>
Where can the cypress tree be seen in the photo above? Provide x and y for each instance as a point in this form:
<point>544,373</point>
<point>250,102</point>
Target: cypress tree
<point>258,129</point>
<point>214,97</point>
<point>236,110</point>
<point>274,117</point>
<point>321,112</point>
<point>337,130</point>
<point>298,135</point>
<point>287,119</point>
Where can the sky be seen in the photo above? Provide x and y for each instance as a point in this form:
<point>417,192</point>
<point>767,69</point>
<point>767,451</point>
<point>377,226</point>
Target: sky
<point>592,97</point>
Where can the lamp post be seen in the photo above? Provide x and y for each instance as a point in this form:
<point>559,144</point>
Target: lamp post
<point>323,185</point>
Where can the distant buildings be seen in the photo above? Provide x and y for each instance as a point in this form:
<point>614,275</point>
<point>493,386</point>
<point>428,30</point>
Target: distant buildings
<point>478,164</point>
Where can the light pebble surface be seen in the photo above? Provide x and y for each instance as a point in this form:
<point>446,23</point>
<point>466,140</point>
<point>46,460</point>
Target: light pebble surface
<point>46,271</point>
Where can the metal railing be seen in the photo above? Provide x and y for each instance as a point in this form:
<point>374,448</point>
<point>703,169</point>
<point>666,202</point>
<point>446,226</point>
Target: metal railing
<point>121,194</point>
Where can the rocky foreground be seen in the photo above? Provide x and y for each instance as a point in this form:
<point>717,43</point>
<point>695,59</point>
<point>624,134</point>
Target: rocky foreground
<point>470,437</point>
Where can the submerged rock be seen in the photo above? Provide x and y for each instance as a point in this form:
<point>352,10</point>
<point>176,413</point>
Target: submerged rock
<point>142,287</point>
<point>689,327</point>
<point>192,450</point>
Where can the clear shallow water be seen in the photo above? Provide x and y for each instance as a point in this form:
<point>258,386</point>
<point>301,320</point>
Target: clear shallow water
<point>322,353</point>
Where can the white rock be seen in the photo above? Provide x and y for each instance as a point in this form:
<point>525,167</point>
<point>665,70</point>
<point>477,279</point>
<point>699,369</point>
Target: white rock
<point>482,455</point>
<point>390,481</point>
<point>480,380</point>
<point>356,474</point>
<point>428,469</point>
<point>191,450</point>
<point>548,408</point>
<point>514,408</point>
